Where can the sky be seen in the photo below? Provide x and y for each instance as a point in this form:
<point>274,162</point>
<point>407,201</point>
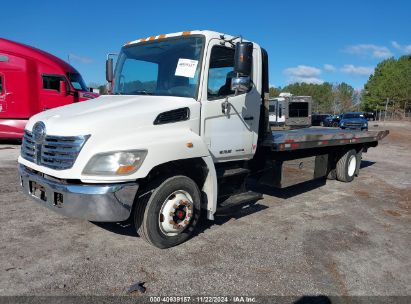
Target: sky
<point>307,41</point>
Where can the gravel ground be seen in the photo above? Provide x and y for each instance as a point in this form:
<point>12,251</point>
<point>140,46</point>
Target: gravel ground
<point>332,239</point>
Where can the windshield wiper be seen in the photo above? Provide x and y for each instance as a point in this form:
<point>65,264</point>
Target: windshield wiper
<point>142,92</point>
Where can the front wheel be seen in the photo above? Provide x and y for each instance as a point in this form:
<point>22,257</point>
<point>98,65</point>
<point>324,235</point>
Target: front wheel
<point>167,212</point>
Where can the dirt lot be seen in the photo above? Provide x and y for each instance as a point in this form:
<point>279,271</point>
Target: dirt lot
<point>333,239</point>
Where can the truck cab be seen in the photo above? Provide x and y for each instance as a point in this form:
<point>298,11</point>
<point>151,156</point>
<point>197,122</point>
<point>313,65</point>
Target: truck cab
<point>32,81</point>
<point>185,126</point>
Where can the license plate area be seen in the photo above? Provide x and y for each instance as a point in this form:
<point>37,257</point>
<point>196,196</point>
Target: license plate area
<point>38,191</point>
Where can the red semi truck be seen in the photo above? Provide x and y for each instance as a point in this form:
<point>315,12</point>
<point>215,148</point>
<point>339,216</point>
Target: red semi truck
<point>32,81</point>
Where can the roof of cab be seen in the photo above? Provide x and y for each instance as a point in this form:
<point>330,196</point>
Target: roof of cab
<point>23,50</point>
<point>208,34</point>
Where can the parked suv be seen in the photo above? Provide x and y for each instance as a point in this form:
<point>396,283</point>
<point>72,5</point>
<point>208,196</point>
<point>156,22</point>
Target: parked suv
<point>354,120</point>
<point>319,119</point>
<point>332,121</point>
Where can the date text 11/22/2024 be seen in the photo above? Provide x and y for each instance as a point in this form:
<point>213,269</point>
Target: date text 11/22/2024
<point>203,299</point>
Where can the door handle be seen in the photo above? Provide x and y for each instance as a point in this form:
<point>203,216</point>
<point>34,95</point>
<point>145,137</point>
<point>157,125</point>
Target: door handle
<point>225,106</point>
<point>248,117</point>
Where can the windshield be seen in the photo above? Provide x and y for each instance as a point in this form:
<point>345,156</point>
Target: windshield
<point>167,67</point>
<point>353,115</point>
<point>77,82</point>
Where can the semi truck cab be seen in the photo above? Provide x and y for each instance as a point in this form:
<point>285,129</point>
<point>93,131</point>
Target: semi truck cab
<point>32,81</point>
<point>185,126</point>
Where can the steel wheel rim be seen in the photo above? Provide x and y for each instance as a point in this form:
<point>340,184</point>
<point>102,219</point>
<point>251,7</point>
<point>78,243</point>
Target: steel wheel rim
<point>352,164</point>
<point>176,213</point>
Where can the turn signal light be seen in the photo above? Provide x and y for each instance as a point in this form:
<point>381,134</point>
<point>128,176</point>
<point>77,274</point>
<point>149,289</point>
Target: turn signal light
<point>125,169</point>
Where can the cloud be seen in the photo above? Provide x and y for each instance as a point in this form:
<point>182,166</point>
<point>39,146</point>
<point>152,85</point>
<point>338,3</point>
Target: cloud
<point>357,70</point>
<point>80,59</point>
<point>313,80</point>
<point>369,50</point>
<point>403,48</point>
<point>329,67</point>
<point>303,73</point>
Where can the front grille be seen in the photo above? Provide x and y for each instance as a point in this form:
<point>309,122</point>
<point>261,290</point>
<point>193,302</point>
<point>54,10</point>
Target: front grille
<point>353,124</point>
<point>56,152</point>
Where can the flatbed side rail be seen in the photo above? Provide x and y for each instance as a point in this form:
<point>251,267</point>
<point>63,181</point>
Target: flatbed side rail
<point>317,138</point>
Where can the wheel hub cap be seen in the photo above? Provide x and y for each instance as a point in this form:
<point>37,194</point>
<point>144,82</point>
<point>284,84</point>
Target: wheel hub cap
<point>176,213</point>
<point>352,164</point>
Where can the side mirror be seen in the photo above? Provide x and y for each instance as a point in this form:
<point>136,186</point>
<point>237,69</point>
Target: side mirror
<point>243,58</point>
<point>63,88</point>
<point>240,84</point>
<point>109,70</point>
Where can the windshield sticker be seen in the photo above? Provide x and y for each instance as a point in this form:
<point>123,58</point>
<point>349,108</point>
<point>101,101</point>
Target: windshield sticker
<point>186,67</point>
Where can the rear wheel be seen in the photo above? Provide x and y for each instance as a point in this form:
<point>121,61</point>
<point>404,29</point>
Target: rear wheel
<point>332,174</point>
<point>346,166</point>
<point>167,213</point>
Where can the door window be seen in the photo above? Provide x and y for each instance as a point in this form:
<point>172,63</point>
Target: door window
<point>220,72</point>
<point>52,82</point>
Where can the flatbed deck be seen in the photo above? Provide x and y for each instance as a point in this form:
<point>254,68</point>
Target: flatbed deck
<point>317,137</point>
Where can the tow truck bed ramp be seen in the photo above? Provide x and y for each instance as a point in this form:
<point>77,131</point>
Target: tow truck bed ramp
<point>320,137</point>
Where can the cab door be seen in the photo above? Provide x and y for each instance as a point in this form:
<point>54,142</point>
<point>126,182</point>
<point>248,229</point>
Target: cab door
<point>229,121</point>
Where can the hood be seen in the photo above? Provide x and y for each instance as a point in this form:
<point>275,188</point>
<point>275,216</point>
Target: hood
<point>124,113</point>
<point>354,120</point>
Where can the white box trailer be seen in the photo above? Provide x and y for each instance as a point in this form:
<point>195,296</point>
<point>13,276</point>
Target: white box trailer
<point>186,126</point>
<point>276,109</point>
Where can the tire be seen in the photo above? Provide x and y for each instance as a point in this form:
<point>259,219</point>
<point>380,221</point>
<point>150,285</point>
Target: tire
<point>332,175</point>
<point>346,167</point>
<point>159,196</point>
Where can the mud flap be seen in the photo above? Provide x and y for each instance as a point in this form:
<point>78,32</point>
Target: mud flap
<point>358,159</point>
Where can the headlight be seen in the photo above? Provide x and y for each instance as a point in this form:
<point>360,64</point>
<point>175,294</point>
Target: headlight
<point>115,163</point>
<point>365,124</point>
<point>342,123</point>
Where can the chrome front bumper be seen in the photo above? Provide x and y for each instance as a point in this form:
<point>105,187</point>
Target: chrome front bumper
<point>100,202</point>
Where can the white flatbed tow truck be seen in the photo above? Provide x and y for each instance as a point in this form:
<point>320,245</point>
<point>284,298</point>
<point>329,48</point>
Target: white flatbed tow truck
<point>185,127</point>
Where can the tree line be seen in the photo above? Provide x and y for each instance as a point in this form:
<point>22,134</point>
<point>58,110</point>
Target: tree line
<point>327,97</point>
<point>391,81</point>
<point>389,85</point>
